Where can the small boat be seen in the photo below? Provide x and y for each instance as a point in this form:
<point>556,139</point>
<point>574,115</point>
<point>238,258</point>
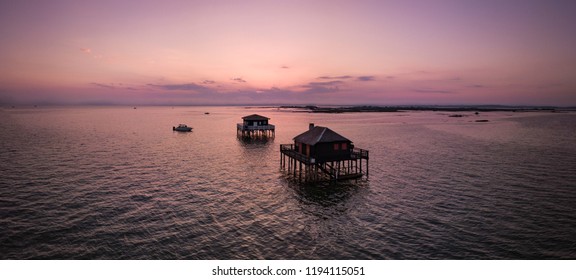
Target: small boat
<point>182,127</point>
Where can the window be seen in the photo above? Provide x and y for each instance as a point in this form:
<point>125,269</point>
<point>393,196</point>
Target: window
<point>336,146</point>
<point>344,146</point>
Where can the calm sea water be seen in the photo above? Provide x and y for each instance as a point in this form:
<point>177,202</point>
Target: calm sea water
<point>118,183</point>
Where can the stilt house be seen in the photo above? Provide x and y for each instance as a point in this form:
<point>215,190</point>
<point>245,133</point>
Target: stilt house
<point>320,153</point>
<point>255,125</point>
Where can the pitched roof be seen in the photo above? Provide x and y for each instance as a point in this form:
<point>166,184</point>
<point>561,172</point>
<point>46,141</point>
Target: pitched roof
<point>255,117</point>
<point>319,134</point>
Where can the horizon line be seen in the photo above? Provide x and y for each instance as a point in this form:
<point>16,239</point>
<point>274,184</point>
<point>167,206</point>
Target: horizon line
<point>303,105</point>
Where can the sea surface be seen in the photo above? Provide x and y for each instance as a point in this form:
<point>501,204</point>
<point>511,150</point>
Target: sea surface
<point>118,183</point>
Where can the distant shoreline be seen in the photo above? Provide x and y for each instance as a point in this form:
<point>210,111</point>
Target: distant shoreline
<point>371,109</point>
<point>333,109</point>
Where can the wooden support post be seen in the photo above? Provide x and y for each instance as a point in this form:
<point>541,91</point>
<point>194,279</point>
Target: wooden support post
<point>367,168</point>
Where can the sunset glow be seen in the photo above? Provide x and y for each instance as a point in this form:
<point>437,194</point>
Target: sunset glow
<point>288,52</point>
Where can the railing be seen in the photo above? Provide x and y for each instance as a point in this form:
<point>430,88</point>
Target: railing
<point>286,147</point>
<point>289,150</point>
<point>359,153</point>
<point>241,126</point>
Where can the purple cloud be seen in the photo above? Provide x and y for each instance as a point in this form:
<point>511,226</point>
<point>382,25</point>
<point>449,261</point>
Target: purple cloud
<point>184,87</point>
<point>322,87</point>
<point>109,86</point>
<point>335,77</point>
<point>113,86</point>
<point>432,91</point>
<point>365,78</point>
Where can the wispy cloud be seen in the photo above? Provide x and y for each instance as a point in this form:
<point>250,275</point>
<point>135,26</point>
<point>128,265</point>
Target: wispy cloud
<point>109,86</point>
<point>86,50</point>
<point>323,84</point>
<point>432,91</point>
<point>114,86</point>
<point>365,78</point>
<point>322,87</point>
<point>239,80</point>
<point>208,82</point>
<point>348,77</point>
<point>335,77</point>
<point>181,87</point>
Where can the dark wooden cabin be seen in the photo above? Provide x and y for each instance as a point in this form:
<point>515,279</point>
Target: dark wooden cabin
<point>323,144</point>
<point>320,153</point>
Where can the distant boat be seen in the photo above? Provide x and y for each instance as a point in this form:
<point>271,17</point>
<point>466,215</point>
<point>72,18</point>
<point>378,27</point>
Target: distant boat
<point>182,128</point>
<point>207,113</point>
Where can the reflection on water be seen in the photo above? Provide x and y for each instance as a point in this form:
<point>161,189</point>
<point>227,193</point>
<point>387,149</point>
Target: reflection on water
<point>325,194</point>
<point>256,141</point>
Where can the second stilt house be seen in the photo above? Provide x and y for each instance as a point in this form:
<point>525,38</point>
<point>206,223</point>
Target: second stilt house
<point>255,126</point>
<point>322,154</point>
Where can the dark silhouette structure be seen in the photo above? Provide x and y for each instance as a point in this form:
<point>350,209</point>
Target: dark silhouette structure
<point>320,154</point>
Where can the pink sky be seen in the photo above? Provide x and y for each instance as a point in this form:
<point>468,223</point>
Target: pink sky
<point>288,52</point>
